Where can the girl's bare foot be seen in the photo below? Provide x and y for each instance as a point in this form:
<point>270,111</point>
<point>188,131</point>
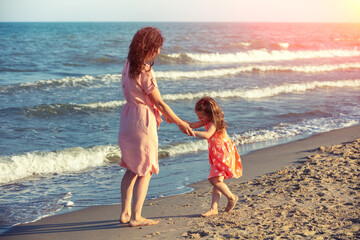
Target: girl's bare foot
<point>124,218</point>
<point>143,222</point>
<point>231,204</point>
<point>210,213</point>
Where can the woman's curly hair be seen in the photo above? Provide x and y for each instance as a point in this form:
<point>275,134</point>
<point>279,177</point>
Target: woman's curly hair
<point>212,110</point>
<point>145,43</point>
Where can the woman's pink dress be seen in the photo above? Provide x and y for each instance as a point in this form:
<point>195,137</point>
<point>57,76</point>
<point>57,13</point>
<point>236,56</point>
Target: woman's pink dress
<point>138,139</point>
<point>223,157</point>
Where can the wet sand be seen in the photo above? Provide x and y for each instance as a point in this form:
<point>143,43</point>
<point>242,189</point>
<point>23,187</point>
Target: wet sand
<point>307,189</point>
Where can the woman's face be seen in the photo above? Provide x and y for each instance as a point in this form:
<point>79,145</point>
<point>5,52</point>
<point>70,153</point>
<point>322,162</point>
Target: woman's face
<point>150,56</point>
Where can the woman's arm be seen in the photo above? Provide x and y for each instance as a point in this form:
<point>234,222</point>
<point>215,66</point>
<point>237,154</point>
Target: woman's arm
<point>155,96</point>
<point>207,134</point>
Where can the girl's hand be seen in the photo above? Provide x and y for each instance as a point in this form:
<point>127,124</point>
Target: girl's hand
<point>185,128</point>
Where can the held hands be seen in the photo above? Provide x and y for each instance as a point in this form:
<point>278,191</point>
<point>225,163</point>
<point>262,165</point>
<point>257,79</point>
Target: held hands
<point>185,128</point>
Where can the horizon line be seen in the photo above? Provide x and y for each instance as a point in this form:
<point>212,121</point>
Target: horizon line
<point>174,22</point>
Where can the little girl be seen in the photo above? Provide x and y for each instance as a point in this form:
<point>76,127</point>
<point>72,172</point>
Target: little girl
<point>223,156</point>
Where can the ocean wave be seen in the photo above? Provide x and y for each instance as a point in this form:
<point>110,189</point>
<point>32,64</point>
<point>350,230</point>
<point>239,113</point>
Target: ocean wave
<point>255,93</point>
<point>62,109</point>
<point>259,56</point>
<point>284,45</point>
<point>44,110</point>
<point>315,113</point>
<point>257,44</point>
<point>20,167</point>
<point>83,81</point>
<point>13,168</point>
<point>288,130</point>
<point>265,92</point>
<point>16,70</point>
<point>175,75</point>
<point>103,80</point>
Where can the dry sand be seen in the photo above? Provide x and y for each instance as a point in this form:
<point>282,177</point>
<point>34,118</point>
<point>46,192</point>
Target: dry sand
<point>317,199</point>
<point>307,189</point>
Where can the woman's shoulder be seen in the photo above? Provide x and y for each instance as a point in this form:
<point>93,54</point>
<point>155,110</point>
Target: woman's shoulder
<point>147,72</point>
<point>147,79</point>
<point>147,68</point>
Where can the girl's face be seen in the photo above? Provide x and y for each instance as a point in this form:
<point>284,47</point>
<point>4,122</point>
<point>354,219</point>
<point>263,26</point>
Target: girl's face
<point>202,117</point>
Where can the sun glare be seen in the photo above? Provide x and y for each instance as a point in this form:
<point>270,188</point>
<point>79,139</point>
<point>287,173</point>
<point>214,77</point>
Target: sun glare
<point>354,10</point>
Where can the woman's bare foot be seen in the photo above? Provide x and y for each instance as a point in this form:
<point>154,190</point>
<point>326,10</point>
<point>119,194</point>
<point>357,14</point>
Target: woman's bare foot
<point>231,203</point>
<point>210,213</point>
<point>143,222</point>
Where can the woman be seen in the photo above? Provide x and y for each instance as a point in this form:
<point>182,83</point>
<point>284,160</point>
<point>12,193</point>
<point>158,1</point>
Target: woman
<point>140,119</point>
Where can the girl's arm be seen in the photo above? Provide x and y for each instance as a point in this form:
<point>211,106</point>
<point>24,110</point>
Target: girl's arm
<point>197,124</point>
<point>206,134</point>
<point>155,96</point>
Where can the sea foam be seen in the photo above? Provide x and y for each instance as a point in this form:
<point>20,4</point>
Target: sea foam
<point>180,75</point>
<point>265,92</point>
<point>13,168</point>
<point>264,55</point>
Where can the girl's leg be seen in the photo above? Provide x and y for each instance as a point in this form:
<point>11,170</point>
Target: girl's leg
<point>127,188</point>
<point>218,183</point>
<point>140,190</point>
<point>216,194</point>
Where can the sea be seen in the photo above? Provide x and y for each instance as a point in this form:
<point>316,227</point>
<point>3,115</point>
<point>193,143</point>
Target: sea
<point>61,99</point>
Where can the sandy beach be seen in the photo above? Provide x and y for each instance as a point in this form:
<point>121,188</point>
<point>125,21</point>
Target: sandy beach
<point>307,189</point>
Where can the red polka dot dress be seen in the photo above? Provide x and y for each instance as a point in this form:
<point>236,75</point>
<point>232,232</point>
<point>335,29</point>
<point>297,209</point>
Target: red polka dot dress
<point>223,156</point>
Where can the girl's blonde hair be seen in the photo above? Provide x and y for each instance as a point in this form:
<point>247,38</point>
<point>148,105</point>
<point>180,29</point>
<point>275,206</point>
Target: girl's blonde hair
<point>212,111</point>
<point>146,42</point>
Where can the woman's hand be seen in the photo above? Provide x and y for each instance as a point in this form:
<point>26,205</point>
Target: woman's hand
<point>167,119</point>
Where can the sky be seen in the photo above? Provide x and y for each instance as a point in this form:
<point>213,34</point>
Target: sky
<point>180,10</point>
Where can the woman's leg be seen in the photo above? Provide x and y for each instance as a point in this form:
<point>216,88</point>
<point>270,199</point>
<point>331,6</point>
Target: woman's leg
<point>140,190</point>
<point>216,194</point>
<point>218,183</point>
<point>127,188</point>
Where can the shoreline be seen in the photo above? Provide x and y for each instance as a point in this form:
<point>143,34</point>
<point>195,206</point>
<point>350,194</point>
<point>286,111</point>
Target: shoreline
<point>179,212</point>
